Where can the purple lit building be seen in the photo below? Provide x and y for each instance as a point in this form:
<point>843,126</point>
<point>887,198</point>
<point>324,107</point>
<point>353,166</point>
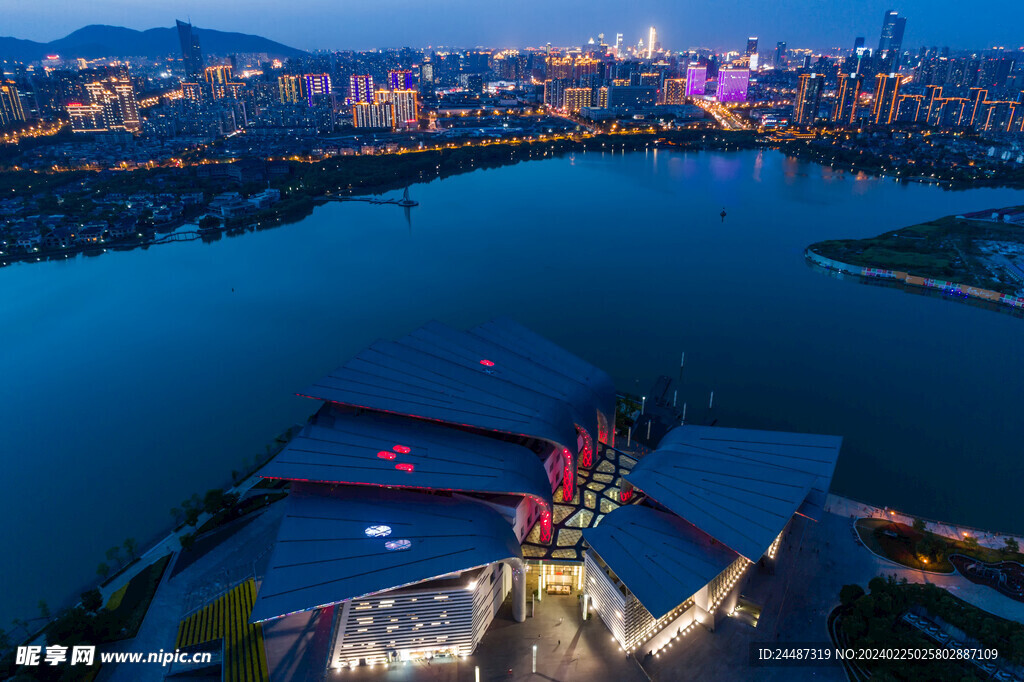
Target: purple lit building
<point>401,80</point>
<point>732,85</point>
<point>696,77</point>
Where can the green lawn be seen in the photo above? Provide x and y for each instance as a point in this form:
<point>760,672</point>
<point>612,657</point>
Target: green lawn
<point>127,607</point>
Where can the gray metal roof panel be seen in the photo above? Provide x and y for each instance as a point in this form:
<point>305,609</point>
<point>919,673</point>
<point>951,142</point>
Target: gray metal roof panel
<point>390,377</point>
<point>332,545</point>
<point>805,452</point>
<point>660,558</point>
<point>367,448</point>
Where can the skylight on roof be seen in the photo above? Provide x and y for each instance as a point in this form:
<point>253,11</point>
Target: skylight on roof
<point>380,531</point>
<point>397,545</point>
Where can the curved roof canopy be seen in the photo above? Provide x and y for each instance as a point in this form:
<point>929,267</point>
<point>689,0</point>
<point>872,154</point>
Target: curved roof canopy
<point>343,446</point>
<point>739,486</point>
<point>660,558</point>
<point>352,542</point>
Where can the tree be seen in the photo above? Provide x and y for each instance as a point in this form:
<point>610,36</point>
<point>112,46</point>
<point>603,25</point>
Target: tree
<point>850,593</point>
<point>92,600</point>
<point>103,570</point>
<point>1012,546</point>
<point>213,501</point>
<point>208,222</point>
<point>192,516</point>
<point>920,525</point>
<point>971,542</point>
<point>114,554</point>
<point>130,546</point>
<point>187,541</point>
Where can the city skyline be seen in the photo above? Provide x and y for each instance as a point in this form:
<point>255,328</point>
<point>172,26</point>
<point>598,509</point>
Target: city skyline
<point>319,25</point>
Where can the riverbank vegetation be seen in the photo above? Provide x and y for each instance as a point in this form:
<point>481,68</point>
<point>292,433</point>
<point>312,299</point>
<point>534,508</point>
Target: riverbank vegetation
<point>948,248</point>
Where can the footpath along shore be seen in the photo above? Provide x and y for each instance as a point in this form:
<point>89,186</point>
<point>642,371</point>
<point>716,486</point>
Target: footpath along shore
<point>844,506</point>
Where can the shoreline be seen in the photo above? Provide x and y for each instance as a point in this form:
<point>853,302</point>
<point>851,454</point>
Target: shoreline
<point>845,506</point>
<point>950,288</point>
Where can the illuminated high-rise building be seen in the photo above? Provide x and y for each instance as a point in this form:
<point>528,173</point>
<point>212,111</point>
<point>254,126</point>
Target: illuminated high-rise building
<point>675,91</point>
<point>217,79</point>
<point>887,89</point>
<point>732,85</point>
<point>316,86</point>
<point>847,93</point>
<point>696,80</point>
<point>908,108</point>
<point>191,54</point>
<point>360,89</point>
<point>576,99</point>
<point>367,115</point>
<point>780,53</point>
<point>976,96</point>
<point>751,45</point>
<point>808,98</point>
<point>652,37</point>
<point>112,106</point>
<point>405,105</point>
<point>400,80</point>
<point>891,41</point>
<point>290,89</point>
<point>618,45</point>
<point>932,98</point>
<point>87,118</point>
<point>11,111</point>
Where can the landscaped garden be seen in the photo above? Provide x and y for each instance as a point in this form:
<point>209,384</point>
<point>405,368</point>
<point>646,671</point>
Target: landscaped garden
<point>915,547</point>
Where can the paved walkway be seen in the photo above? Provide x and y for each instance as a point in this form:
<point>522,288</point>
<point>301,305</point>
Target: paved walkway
<point>851,508</point>
<point>160,627</point>
<point>815,560</point>
<point>170,543</point>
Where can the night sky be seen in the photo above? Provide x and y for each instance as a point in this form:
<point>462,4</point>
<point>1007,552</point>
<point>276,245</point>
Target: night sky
<point>364,24</point>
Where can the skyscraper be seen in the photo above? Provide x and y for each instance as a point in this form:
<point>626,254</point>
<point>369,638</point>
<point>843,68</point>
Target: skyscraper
<point>887,89</point>
<point>289,89</point>
<point>360,89</point>
<point>808,98</point>
<point>732,85</point>
<point>891,42</point>
<point>696,80</point>
<point>847,92</point>
<point>751,45</point>
<point>191,54</point>
<point>400,80</point>
<point>652,36</point>
<point>11,110</point>
<point>316,86</point>
<point>780,53</point>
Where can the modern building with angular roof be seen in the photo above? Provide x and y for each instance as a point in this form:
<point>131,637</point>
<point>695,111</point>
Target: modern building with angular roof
<point>708,503</point>
<point>429,462</point>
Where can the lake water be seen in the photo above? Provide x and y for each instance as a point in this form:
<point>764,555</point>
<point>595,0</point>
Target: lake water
<point>134,379</point>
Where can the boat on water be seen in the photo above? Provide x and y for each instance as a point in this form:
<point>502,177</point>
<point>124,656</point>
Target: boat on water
<point>722,214</point>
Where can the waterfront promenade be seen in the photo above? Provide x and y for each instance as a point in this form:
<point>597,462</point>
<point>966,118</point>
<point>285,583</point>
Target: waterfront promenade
<point>844,506</point>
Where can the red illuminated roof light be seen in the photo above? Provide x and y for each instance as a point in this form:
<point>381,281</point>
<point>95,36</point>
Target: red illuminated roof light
<point>487,363</point>
<point>402,449</point>
<point>384,454</point>
<point>404,466</point>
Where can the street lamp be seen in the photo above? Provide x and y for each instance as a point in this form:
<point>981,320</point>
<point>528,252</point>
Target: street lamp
<point>643,404</point>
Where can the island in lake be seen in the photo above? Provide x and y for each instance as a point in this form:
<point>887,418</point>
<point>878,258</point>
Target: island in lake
<point>975,255</point>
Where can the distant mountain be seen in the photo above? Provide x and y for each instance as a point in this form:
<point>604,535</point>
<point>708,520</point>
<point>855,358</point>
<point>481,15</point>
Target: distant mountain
<point>97,41</point>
